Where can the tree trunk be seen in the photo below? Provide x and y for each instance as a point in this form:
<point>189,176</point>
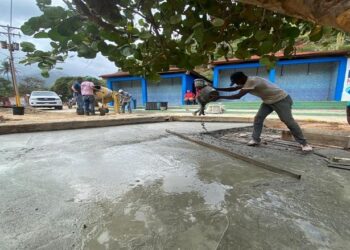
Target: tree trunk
<point>334,13</point>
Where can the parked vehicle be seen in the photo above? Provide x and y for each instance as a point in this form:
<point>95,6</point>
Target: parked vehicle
<point>45,99</point>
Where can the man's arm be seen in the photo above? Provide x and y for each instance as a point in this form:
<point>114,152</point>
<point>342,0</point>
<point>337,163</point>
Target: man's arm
<point>241,93</point>
<point>229,89</point>
<point>74,90</point>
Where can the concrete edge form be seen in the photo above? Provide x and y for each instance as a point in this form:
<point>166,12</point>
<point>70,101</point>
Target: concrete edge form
<point>65,125</point>
<point>211,119</point>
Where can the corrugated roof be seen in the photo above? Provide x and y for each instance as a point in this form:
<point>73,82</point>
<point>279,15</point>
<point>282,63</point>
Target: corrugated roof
<point>280,55</point>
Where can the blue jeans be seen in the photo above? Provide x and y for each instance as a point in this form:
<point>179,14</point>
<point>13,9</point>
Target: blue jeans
<point>283,108</point>
<point>79,100</point>
<point>124,104</point>
<point>89,104</point>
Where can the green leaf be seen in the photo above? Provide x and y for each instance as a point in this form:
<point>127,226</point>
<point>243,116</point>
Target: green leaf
<point>189,39</point>
<point>41,34</point>
<point>145,35</point>
<point>55,12</point>
<point>27,47</point>
<point>54,45</point>
<point>141,22</point>
<point>175,19</point>
<point>316,34</point>
<point>266,47</point>
<point>197,25</point>
<point>27,29</point>
<point>125,50</point>
<point>218,22</point>
<point>69,26</point>
<point>55,36</point>
<point>291,32</point>
<point>260,35</point>
<point>242,54</point>
<point>45,73</point>
<point>288,50</point>
<point>129,27</point>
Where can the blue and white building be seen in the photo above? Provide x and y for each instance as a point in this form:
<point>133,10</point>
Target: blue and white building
<point>171,88</point>
<point>308,76</point>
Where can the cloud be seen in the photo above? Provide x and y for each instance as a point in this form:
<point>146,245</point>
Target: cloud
<point>73,66</point>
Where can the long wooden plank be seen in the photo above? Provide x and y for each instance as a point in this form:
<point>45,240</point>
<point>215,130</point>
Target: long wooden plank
<point>238,156</point>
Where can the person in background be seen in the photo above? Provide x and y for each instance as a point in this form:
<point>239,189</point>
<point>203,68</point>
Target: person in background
<point>76,87</point>
<point>125,100</point>
<point>199,111</point>
<point>274,99</point>
<point>189,97</point>
<point>87,91</point>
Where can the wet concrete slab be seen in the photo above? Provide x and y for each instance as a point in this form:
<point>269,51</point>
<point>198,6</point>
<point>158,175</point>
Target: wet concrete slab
<point>137,187</point>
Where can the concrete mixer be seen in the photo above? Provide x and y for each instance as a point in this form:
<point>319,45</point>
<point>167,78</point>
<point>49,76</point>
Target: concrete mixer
<point>103,96</point>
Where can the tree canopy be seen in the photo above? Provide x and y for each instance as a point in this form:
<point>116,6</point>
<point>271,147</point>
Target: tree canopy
<point>6,88</point>
<point>146,36</point>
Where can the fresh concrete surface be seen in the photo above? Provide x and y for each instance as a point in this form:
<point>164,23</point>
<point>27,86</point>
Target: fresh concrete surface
<point>137,187</point>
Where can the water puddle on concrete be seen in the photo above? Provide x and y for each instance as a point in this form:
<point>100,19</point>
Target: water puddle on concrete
<point>183,206</point>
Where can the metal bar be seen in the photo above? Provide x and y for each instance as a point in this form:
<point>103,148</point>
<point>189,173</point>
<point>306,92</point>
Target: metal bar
<point>11,27</point>
<point>238,156</point>
<point>344,167</point>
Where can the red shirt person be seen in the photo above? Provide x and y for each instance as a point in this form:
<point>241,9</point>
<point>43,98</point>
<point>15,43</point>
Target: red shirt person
<point>189,97</point>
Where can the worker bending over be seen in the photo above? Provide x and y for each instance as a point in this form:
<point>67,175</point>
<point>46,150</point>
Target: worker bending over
<point>125,99</point>
<point>274,99</point>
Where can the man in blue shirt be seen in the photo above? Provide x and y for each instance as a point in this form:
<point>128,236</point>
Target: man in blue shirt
<point>77,93</point>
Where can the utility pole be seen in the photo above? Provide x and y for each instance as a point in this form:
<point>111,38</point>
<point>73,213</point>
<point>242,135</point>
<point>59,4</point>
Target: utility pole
<point>11,47</point>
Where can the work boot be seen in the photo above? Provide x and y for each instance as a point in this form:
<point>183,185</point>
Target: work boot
<point>306,148</point>
<point>87,113</point>
<point>253,143</point>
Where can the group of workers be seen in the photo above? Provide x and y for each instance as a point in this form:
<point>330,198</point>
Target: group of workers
<point>83,93</point>
<point>273,99</point>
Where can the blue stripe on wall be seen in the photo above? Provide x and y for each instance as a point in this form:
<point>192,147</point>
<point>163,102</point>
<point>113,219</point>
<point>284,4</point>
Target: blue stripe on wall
<point>144,91</point>
<point>272,75</point>
<point>340,79</point>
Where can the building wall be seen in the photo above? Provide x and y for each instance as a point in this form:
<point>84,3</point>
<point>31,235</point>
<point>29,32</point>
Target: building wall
<point>133,87</point>
<point>308,82</point>
<point>166,90</point>
<point>346,88</point>
<point>224,80</point>
<point>304,82</point>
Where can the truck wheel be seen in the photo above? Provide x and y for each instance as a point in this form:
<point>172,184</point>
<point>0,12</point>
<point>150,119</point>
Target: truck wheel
<point>59,107</point>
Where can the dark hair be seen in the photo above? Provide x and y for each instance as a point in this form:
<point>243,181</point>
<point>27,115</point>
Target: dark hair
<point>237,76</point>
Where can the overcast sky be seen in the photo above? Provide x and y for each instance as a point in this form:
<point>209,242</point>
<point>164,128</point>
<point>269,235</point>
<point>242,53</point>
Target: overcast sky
<point>22,11</point>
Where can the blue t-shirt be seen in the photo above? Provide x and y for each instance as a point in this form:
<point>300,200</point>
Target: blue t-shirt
<point>77,87</point>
